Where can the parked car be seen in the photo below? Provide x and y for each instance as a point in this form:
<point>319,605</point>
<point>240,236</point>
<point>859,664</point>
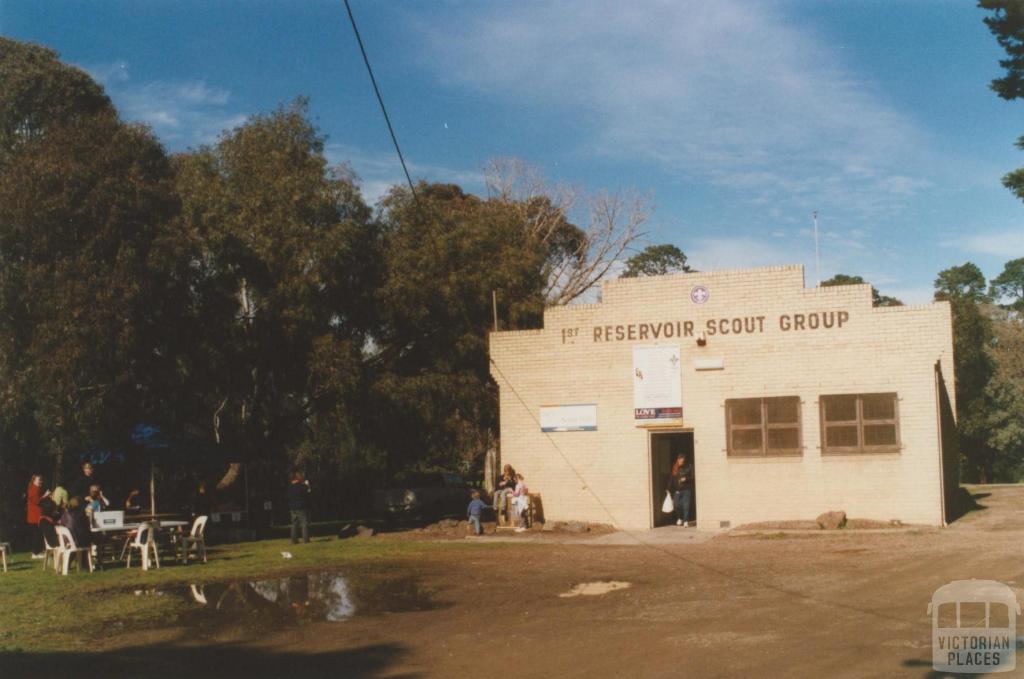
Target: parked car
<point>423,495</point>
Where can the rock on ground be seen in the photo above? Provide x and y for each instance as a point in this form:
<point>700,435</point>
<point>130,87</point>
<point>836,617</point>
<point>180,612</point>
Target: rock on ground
<point>832,520</point>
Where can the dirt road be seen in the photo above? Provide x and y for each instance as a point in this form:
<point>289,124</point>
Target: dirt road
<point>836,605</point>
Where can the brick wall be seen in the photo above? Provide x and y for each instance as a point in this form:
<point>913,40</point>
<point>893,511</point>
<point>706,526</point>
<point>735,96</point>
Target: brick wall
<point>604,475</point>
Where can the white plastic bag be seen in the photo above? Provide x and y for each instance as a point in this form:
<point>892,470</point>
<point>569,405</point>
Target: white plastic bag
<point>668,506</point>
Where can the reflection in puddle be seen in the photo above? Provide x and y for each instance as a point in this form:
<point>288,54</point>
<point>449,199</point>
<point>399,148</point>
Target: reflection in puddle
<point>311,597</point>
<point>328,591</point>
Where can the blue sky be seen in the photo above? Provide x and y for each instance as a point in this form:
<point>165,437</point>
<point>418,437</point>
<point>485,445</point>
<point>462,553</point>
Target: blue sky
<point>739,118</point>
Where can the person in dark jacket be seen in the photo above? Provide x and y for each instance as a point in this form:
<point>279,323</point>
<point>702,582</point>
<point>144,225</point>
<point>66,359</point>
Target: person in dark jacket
<point>80,486</point>
<point>681,487</point>
<point>48,517</point>
<point>202,501</point>
<point>75,520</point>
<point>503,488</point>
<point>298,505</point>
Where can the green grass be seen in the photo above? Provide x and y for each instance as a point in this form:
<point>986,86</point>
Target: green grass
<point>40,610</point>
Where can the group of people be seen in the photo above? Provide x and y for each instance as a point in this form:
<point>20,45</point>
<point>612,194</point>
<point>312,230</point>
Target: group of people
<point>71,507</point>
<point>511,487</point>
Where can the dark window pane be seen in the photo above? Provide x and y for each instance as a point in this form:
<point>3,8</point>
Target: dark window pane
<point>746,411</point>
<point>947,615</point>
<point>783,410</point>
<point>840,408</point>
<point>880,434</point>
<point>998,615</point>
<point>839,437</point>
<point>879,406</point>
<point>972,614</point>
<point>784,439</point>
<point>746,440</point>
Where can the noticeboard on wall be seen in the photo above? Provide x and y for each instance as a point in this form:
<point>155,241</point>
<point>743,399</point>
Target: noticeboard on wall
<point>578,417</point>
<point>657,384</point>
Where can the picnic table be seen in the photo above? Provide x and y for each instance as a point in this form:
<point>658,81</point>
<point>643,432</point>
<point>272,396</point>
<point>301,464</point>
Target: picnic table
<point>128,527</point>
<point>110,532</point>
<point>146,516</point>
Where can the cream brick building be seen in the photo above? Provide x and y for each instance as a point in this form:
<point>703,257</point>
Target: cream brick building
<point>765,365</point>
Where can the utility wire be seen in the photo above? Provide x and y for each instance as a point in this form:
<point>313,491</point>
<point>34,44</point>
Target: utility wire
<point>658,548</point>
<point>380,100</point>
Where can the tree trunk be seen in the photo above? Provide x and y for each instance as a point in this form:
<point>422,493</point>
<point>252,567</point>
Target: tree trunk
<point>490,470</point>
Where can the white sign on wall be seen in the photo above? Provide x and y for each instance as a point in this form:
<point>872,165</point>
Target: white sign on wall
<point>580,417</point>
<point>657,383</point>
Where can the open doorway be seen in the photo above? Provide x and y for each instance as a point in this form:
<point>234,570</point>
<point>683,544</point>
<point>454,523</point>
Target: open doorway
<point>665,446</point>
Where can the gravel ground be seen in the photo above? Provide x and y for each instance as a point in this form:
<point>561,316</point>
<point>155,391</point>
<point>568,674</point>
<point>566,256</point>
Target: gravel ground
<point>765,604</point>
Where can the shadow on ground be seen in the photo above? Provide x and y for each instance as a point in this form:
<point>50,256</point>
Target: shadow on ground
<point>965,503</point>
<point>233,660</point>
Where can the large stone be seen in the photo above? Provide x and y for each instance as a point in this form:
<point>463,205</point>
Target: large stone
<point>831,520</point>
<point>365,531</point>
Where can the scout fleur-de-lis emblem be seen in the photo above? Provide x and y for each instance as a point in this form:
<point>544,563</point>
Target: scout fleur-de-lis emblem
<point>699,294</point>
<point>673,361</point>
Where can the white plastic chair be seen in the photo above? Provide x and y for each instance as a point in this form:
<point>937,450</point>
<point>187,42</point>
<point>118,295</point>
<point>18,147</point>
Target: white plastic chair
<point>145,542</point>
<point>69,548</point>
<point>52,553</point>
<point>195,539</point>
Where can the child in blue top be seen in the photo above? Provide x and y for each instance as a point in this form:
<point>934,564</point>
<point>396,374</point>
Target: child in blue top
<point>474,509</point>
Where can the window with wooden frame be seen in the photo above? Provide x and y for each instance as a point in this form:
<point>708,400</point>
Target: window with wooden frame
<point>859,423</point>
<point>761,427</point>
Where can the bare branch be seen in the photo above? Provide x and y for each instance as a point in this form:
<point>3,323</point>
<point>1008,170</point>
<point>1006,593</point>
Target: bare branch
<point>577,261</point>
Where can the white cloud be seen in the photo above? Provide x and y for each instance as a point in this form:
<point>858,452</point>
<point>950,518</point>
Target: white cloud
<point>712,254</point>
<point>106,74</point>
<point>183,113</point>
<point>379,171</point>
<point>1006,244</point>
<point>911,295</point>
<point>728,93</point>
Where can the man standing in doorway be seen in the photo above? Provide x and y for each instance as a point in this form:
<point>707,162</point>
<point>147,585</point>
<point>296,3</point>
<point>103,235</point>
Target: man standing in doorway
<point>298,505</point>
<point>681,486</point>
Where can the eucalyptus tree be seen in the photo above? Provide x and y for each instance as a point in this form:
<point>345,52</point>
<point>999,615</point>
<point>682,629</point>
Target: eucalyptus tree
<point>84,199</point>
<point>282,252</point>
<point>447,256</point>
<point>964,287</point>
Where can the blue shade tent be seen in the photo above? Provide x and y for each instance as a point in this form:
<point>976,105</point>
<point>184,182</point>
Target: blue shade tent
<point>150,441</point>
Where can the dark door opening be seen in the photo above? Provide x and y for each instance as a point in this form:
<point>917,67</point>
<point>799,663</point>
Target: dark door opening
<point>664,449</point>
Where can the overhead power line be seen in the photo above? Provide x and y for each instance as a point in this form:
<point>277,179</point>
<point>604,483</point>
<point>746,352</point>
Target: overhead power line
<point>565,458</point>
<point>380,100</point>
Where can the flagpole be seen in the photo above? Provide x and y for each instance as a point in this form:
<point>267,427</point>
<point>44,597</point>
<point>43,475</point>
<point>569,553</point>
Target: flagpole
<point>817,255</point>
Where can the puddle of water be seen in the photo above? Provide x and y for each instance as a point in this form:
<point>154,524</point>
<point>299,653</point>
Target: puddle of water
<point>275,603</point>
<point>595,588</point>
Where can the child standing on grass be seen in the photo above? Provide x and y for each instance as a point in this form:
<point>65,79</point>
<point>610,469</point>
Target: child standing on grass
<point>473,511</point>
